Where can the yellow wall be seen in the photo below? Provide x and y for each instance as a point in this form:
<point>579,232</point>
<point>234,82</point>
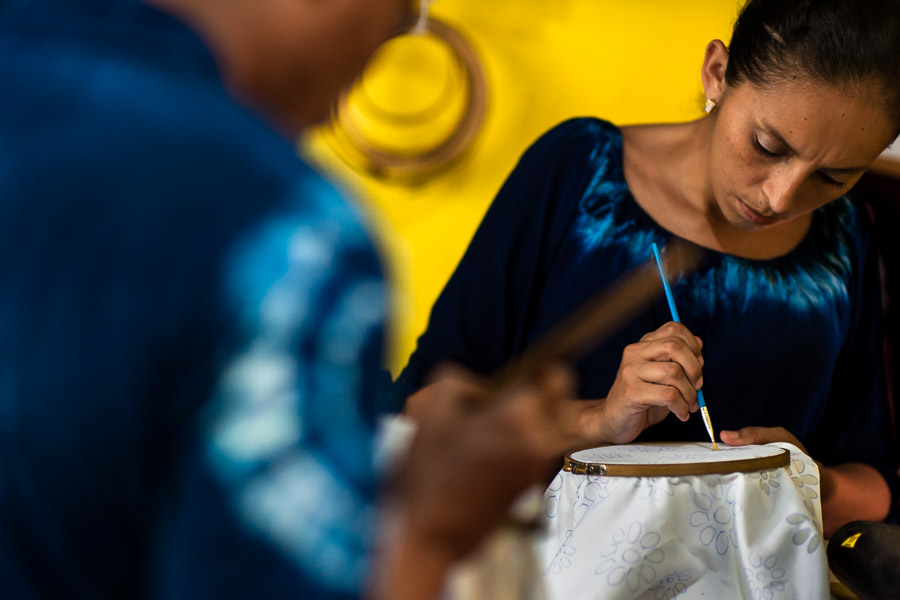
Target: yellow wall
<point>627,61</point>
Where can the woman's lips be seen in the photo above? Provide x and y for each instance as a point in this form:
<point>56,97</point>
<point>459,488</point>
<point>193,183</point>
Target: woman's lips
<point>754,216</point>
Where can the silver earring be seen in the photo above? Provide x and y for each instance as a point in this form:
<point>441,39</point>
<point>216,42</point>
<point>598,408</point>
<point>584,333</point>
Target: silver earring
<point>710,105</point>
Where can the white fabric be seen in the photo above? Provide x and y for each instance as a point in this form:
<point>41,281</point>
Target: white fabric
<point>504,568</point>
<point>740,535</point>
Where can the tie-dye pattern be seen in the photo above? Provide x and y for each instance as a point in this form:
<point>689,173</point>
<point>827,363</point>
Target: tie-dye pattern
<point>285,431</point>
<point>813,277</point>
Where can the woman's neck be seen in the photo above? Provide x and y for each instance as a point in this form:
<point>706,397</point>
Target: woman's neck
<point>667,170</point>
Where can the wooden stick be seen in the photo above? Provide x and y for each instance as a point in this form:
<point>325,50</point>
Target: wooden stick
<point>603,314</point>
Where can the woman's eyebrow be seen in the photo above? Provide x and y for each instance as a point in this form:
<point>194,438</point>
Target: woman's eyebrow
<point>788,149</point>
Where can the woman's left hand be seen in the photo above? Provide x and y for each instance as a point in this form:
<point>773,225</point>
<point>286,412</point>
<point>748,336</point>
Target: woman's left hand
<point>760,435</point>
<point>848,491</point>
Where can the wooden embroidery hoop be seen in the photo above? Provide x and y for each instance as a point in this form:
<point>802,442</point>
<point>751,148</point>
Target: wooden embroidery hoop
<point>585,461</point>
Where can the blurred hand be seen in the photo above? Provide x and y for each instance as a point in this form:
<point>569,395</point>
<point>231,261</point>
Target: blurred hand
<point>454,382</point>
<point>659,374</point>
<point>477,450</point>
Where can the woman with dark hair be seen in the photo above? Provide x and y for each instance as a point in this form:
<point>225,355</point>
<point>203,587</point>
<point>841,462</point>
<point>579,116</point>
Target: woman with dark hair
<point>786,299</point>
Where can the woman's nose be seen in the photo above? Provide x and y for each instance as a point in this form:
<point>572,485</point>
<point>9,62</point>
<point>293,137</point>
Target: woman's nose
<point>781,188</point>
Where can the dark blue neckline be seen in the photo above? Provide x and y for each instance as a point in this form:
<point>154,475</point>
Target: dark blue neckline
<point>818,238</point>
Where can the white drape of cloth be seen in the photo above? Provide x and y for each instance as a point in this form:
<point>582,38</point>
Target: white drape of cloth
<point>741,535</point>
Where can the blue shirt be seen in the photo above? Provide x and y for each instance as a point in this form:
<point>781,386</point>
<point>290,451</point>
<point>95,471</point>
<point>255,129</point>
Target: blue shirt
<point>191,322</point>
<point>794,341</point>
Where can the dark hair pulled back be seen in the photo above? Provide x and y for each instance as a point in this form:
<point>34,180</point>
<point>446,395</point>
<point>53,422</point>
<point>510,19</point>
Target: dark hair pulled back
<point>837,42</point>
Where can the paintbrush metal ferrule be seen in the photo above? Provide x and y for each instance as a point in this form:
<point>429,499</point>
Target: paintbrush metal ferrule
<point>709,428</point>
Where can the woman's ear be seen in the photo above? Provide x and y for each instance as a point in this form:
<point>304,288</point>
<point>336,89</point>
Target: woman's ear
<point>713,74</point>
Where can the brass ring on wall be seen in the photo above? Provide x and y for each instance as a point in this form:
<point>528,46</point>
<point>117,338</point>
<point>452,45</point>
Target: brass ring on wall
<point>361,153</point>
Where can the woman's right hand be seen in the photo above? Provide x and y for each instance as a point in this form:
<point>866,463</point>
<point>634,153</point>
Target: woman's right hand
<point>659,374</point>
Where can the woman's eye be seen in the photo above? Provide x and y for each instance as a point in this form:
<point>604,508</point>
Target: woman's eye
<point>833,182</point>
<point>762,149</point>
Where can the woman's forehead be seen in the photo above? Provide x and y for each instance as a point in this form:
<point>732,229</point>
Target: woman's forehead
<point>812,115</point>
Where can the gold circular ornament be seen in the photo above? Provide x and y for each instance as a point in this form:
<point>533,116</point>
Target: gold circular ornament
<point>415,110</point>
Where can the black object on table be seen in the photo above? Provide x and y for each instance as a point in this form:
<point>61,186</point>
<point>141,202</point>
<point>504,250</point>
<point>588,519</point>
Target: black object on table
<point>865,556</point>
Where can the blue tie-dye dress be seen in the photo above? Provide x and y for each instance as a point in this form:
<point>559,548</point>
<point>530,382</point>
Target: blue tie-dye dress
<point>792,342</point>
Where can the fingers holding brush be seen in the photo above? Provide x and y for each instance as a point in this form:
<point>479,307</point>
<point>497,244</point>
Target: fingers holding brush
<point>674,342</point>
<point>659,374</point>
<point>669,357</point>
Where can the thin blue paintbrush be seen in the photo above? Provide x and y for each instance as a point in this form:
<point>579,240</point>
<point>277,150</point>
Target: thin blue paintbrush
<point>671,299</point>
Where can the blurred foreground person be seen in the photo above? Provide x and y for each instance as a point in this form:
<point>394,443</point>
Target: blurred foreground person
<point>191,321</point>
